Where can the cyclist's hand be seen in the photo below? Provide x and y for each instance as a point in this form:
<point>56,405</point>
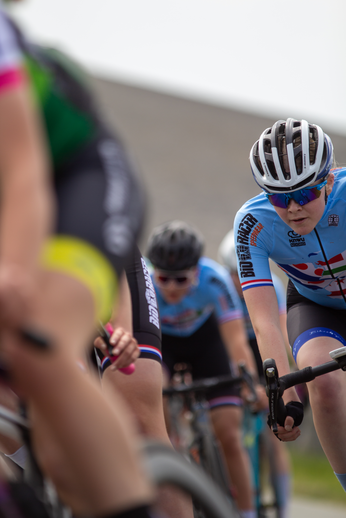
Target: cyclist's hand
<point>125,347</point>
<point>16,294</point>
<point>256,402</point>
<point>294,417</point>
<point>262,400</point>
<point>288,433</point>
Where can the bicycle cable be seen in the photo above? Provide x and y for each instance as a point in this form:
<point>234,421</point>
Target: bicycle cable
<point>329,268</point>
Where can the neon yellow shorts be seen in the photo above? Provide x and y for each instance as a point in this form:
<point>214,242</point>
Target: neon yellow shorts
<point>84,262</point>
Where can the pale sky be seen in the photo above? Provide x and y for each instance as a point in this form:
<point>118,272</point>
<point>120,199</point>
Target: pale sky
<point>273,58</point>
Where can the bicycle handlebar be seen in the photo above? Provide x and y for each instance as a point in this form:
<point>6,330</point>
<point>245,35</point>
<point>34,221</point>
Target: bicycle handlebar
<point>275,385</point>
<point>206,384</point>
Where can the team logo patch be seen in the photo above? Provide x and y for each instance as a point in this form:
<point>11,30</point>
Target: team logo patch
<point>296,239</point>
<point>333,220</point>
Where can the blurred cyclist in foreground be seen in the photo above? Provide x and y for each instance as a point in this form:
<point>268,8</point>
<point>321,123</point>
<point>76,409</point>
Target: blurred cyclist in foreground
<point>71,209</point>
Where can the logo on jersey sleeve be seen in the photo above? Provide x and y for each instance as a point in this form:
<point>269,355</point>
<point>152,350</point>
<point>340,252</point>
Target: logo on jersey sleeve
<point>150,296</point>
<point>245,229</point>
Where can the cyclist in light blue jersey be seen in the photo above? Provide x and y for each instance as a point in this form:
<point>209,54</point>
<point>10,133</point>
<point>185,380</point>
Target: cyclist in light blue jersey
<point>201,316</point>
<point>299,222</point>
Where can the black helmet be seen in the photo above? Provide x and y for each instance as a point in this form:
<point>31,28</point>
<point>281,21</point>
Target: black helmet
<point>175,246</point>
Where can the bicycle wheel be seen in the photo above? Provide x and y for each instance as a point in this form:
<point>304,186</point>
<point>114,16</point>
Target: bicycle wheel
<point>166,466</point>
<point>269,478</point>
<point>212,461</point>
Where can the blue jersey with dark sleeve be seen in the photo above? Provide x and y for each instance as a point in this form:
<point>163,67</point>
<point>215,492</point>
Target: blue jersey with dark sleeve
<point>260,234</point>
<point>213,293</point>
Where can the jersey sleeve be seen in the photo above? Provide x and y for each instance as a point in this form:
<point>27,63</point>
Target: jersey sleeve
<point>11,70</point>
<point>252,244</point>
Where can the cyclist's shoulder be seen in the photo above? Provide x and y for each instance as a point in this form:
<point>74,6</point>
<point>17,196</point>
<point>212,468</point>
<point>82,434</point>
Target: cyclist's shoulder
<point>256,202</point>
<point>212,274</point>
<point>256,210</point>
<point>339,180</point>
<point>208,267</point>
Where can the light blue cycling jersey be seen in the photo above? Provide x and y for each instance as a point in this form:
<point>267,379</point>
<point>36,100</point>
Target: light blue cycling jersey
<point>260,234</point>
<point>280,295</point>
<point>214,293</point>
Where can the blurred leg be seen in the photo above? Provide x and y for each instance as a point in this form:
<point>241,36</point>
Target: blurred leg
<point>227,426</point>
<point>99,470</point>
<point>143,393</point>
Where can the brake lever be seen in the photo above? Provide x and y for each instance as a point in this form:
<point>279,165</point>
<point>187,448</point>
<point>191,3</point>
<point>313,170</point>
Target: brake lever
<point>277,409</point>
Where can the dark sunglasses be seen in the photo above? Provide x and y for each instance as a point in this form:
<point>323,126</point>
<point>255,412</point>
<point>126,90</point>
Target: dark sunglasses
<point>165,279</point>
<point>181,279</point>
<point>302,197</point>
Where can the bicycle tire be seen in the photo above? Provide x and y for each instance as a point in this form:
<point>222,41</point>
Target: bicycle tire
<point>212,461</point>
<point>166,466</point>
<point>266,450</point>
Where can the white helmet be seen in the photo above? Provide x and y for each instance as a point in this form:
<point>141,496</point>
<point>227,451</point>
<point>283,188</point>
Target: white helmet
<point>290,155</point>
<point>226,253</point>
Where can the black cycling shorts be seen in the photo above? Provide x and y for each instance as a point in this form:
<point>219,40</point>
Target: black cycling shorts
<point>99,216</point>
<point>145,314</point>
<point>204,351</point>
<point>307,320</point>
<point>100,199</point>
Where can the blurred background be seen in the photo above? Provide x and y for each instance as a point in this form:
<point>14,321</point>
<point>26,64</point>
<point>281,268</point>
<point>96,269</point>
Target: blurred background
<point>190,85</point>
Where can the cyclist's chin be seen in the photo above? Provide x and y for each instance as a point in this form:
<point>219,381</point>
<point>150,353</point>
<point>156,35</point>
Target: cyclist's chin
<point>302,227</point>
<point>173,297</point>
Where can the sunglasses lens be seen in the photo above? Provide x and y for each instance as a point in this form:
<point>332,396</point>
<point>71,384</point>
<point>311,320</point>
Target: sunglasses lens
<point>278,200</point>
<point>306,195</point>
<point>181,280</point>
<point>163,279</point>
<point>301,197</point>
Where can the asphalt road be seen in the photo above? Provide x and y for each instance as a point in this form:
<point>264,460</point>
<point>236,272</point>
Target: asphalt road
<point>302,508</point>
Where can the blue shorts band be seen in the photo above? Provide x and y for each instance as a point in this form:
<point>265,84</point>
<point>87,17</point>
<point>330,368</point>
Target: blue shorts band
<point>225,401</point>
<point>314,332</point>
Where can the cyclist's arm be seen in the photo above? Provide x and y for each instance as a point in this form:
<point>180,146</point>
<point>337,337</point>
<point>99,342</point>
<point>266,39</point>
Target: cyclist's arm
<point>263,309</point>
<point>26,201</point>
<point>234,336</point>
<point>26,205</point>
<point>122,311</point>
